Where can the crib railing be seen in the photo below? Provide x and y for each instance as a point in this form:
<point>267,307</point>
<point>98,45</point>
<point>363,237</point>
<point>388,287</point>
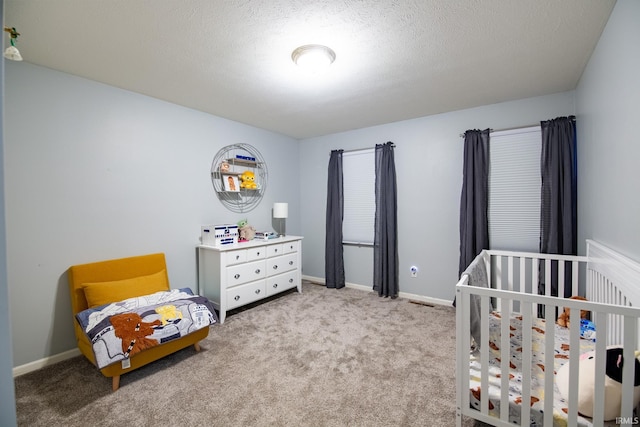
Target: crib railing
<point>527,284</point>
<point>603,276</point>
<point>601,314</point>
<point>612,279</point>
<point>535,273</point>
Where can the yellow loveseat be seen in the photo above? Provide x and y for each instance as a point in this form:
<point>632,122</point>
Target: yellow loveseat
<point>115,280</point>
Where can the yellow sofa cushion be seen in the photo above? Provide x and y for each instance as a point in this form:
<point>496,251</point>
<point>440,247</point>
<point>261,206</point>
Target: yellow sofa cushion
<point>100,293</point>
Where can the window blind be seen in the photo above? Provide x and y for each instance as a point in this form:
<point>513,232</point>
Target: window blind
<point>358,174</point>
<point>514,189</point>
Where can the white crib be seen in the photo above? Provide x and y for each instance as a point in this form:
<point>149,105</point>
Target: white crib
<point>507,282</point>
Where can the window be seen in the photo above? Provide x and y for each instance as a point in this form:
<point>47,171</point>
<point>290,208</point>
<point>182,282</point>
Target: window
<point>514,189</point>
<point>359,177</point>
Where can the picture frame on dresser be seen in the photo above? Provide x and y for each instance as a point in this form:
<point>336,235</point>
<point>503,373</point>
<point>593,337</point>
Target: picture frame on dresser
<point>235,275</point>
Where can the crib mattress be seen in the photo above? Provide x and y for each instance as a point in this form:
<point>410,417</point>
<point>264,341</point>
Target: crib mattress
<point>537,371</point>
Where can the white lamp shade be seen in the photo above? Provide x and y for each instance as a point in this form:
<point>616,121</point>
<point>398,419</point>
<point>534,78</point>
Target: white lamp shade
<point>12,53</point>
<point>280,210</point>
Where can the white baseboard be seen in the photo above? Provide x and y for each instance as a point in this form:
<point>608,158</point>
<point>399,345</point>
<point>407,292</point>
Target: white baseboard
<point>406,295</point>
<point>39,364</point>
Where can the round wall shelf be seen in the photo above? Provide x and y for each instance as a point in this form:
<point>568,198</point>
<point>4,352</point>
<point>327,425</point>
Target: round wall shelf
<point>239,176</point>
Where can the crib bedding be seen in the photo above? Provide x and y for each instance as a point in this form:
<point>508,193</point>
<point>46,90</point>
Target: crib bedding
<point>537,370</point>
<point>119,330</point>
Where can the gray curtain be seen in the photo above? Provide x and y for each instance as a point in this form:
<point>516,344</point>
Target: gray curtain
<point>385,251</point>
<point>333,251</point>
<point>559,204</point>
<point>474,201</point>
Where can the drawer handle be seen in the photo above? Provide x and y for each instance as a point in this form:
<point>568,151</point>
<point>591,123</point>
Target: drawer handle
<point>257,271</point>
<point>237,276</point>
<point>258,253</point>
<point>290,262</point>
<point>237,297</point>
<point>275,250</point>
<point>290,280</point>
<point>275,285</point>
<point>275,267</point>
<point>237,257</point>
<point>257,291</point>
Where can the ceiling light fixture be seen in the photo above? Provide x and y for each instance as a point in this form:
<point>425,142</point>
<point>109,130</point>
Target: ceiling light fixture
<point>12,51</point>
<point>313,57</point>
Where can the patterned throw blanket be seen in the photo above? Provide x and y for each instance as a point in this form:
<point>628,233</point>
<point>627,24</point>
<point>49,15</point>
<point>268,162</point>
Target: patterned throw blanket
<point>119,330</point>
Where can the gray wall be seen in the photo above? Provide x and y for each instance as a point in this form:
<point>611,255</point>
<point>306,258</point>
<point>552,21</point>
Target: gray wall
<point>94,172</point>
<point>428,158</point>
<point>609,150</point>
<point>7,396</point>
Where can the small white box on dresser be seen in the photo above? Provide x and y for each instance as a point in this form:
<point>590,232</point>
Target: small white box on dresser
<point>238,274</point>
<point>218,235</point>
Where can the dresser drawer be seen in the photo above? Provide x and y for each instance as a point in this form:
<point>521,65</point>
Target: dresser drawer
<point>236,257</point>
<point>256,253</point>
<point>282,282</point>
<point>281,264</point>
<point>244,294</point>
<point>290,247</point>
<point>274,250</point>
<point>243,273</point>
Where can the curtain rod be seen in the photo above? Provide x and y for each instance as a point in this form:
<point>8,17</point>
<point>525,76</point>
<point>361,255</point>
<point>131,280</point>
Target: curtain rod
<point>358,244</point>
<point>358,149</point>
<point>573,118</point>
<point>502,130</point>
<point>365,149</point>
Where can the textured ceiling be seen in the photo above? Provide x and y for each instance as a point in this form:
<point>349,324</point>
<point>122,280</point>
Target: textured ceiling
<point>396,59</point>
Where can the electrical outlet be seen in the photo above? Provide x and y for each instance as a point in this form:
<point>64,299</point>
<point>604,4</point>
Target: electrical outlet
<point>414,271</point>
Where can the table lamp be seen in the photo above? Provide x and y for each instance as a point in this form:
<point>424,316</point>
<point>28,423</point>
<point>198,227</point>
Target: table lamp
<point>281,211</point>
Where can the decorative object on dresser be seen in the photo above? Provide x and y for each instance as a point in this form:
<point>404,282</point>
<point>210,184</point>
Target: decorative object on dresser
<point>218,235</point>
<point>235,275</point>
<point>247,232</point>
<point>281,212</point>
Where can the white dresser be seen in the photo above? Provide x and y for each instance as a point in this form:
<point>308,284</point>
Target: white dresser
<point>235,275</point>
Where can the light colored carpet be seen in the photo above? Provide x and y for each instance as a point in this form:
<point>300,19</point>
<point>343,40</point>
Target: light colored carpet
<point>325,357</point>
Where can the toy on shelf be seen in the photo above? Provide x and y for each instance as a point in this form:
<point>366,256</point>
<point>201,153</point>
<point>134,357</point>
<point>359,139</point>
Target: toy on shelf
<point>248,179</point>
<point>247,158</point>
